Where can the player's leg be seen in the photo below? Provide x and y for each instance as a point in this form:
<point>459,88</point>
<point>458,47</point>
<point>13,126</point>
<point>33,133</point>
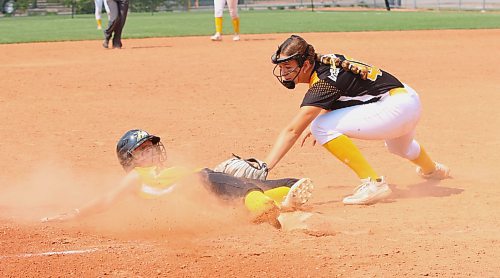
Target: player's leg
<point>289,193</point>
<point>123,10</point>
<point>106,7</point>
<point>261,207</point>
<point>391,117</point>
<point>407,147</point>
<point>233,12</point>
<point>218,13</point>
<point>98,12</point>
<point>113,21</point>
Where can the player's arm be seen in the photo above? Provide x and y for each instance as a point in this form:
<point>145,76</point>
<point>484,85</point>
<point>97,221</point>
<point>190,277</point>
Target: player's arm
<point>127,186</point>
<point>291,133</point>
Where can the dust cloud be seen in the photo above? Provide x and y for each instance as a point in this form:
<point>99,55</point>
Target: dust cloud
<point>51,188</point>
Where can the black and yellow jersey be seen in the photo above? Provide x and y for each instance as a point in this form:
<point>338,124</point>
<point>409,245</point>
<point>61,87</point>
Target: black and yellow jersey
<point>331,87</point>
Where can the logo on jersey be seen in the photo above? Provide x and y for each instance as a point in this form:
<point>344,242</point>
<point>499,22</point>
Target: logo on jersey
<point>334,72</point>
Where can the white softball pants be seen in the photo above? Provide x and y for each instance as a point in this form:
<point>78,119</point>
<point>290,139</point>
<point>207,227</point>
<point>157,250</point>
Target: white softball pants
<point>393,119</point>
<point>231,4</point>
<point>98,8</point>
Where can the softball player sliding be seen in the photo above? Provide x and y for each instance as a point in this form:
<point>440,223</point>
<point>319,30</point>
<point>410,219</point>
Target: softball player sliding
<point>98,12</point>
<point>143,155</point>
<point>349,99</point>
<point>233,12</point>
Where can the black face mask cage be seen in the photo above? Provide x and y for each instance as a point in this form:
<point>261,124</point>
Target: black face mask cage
<point>159,150</point>
<point>290,84</point>
<point>300,58</point>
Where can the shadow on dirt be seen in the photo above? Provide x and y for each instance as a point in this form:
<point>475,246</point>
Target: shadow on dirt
<point>424,189</point>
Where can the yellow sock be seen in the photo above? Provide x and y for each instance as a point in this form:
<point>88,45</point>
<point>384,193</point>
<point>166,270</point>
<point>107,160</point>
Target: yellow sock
<point>278,194</point>
<point>344,149</point>
<point>218,25</point>
<point>258,203</point>
<point>425,162</point>
<point>99,23</point>
<point>236,25</point>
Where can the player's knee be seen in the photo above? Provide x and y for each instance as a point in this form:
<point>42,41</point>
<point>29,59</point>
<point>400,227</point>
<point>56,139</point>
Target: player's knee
<point>218,12</point>
<point>233,14</point>
<point>411,151</point>
<point>397,150</point>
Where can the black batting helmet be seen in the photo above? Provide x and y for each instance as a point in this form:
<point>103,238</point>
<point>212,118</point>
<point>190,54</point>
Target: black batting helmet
<point>130,141</point>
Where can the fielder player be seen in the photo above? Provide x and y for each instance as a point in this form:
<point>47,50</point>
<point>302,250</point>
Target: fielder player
<point>350,99</point>
<point>98,12</point>
<point>143,157</point>
<point>233,12</point>
<point>118,10</point>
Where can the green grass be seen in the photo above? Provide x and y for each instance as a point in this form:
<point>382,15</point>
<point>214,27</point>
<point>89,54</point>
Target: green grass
<point>142,25</point>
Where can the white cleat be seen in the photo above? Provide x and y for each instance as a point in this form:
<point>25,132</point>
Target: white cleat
<point>216,37</point>
<point>298,195</point>
<point>441,172</point>
<point>369,192</point>
<point>236,38</point>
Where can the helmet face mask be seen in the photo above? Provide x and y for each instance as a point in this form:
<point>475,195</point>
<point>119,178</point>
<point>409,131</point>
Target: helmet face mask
<point>289,84</point>
<point>148,154</point>
<point>132,140</point>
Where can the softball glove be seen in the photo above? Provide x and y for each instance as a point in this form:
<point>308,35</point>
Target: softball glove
<point>250,168</point>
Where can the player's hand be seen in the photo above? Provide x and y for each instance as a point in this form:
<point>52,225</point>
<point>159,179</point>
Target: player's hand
<point>304,139</point>
<point>62,216</point>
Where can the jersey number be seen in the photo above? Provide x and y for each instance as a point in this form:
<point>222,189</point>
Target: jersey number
<point>373,72</point>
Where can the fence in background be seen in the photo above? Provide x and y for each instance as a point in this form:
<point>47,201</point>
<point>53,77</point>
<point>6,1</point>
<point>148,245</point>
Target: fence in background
<point>35,7</point>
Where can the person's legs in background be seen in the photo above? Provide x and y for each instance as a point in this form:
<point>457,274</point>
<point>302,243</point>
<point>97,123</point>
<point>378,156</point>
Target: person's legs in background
<point>218,13</point>
<point>98,11</point>
<point>233,12</point>
<point>123,10</point>
<point>113,22</point>
<point>106,7</point>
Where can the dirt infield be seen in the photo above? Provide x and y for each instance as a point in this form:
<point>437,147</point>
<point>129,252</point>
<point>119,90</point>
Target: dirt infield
<point>63,106</point>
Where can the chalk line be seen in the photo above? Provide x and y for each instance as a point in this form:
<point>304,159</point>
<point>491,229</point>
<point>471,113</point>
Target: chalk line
<point>67,252</point>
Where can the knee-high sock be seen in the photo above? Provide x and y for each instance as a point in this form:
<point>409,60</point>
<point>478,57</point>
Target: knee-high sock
<point>344,149</point>
<point>278,194</point>
<point>236,25</point>
<point>258,203</point>
<point>218,25</point>
<point>425,162</point>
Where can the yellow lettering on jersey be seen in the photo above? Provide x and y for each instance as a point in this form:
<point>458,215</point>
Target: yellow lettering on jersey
<point>373,72</point>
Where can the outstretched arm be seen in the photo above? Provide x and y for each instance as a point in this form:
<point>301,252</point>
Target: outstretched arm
<point>291,133</point>
<point>127,186</point>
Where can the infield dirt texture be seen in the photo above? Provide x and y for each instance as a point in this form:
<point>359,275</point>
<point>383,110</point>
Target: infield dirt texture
<point>64,105</point>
